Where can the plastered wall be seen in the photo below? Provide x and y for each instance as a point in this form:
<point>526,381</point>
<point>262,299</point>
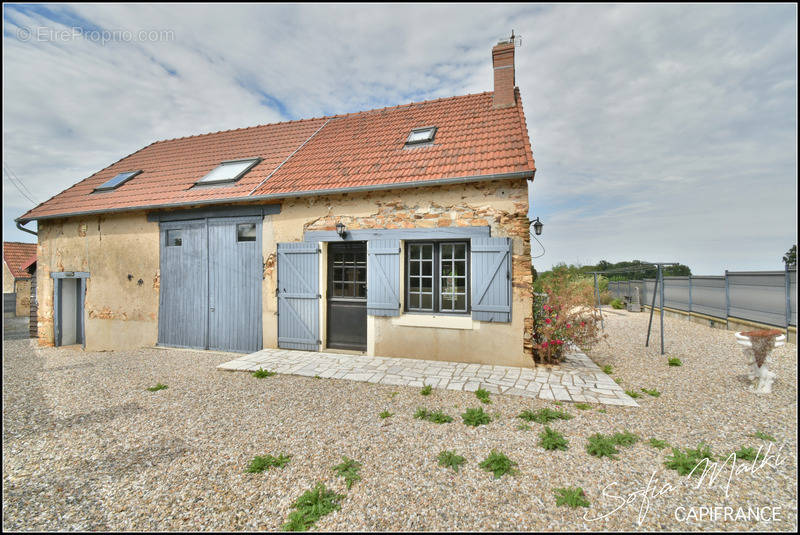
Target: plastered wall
<point>120,253</point>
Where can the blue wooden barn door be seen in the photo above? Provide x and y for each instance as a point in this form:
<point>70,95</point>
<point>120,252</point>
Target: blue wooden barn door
<point>183,292</point>
<point>298,296</point>
<point>234,284</point>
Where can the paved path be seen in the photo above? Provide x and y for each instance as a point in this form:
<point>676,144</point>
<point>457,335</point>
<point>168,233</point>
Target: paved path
<point>577,379</point>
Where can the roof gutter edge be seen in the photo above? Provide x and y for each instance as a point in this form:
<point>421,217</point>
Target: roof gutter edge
<point>527,175</point>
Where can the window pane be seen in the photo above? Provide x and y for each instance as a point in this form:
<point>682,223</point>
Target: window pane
<point>447,268</point>
<point>225,172</point>
<point>447,302</point>
<point>461,251</point>
<point>427,284</point>
<point>413,301</point>
<point>246,232</point>
<point>414,268</point>
<point>461,286</point>
<point>447,250</point>
<point>427,268</point>
<point>460,268</point>
<point>361,275</point>
<point>427,302</point>
<point>416,251</point>
<point>427,252</point>
<point>174,237</point>
<point>461,303</point>
<point>337,289</point>
<point>413,284</point>
<point>361,290</point>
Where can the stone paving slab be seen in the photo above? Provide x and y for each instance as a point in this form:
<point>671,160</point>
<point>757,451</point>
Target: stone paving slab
<point>577,379</point>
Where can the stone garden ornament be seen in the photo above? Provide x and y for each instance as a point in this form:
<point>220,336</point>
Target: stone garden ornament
<point>757,345</point>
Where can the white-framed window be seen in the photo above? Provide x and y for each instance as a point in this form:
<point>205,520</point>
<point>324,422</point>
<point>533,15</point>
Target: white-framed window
<point>421,135</point>
<point>229,171</point>
<point>437,277</point>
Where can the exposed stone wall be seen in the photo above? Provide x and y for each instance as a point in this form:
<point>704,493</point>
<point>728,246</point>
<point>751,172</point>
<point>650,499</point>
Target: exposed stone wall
<point>22,287</point>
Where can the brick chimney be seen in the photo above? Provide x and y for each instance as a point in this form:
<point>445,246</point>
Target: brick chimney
<point>503,63</point>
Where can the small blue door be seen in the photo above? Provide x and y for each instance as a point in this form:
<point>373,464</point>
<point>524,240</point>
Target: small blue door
<point>298,296</point>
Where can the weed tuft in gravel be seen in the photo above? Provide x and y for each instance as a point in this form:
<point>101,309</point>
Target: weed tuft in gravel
<point>658,444</point>
<point>602,446</point>
<point>552,440</point>
<point>762,436</point>
<point>674,361</point>
<point>655,393</point>
<point>348,469</point>
<point>156,388</point>
<point>450,459</point>
<point>499,464</point>
<point>262,373</point>
<point>311,506</point>
<point>571,496</point>
<point>426,390</point>
<point>583,406</point>
<point>543,416</point>
<point>437,417</point>
<point>476,417</point>
<point>259,464</point>
<point>483,395</point>
<point>385,414</point>
<point>686,462</point>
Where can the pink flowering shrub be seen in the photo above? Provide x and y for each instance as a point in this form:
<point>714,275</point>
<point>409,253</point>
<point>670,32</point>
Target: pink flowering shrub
<point>564,314</point>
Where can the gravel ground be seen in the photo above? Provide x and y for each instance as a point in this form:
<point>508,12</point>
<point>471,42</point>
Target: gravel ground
<point>86,447</point>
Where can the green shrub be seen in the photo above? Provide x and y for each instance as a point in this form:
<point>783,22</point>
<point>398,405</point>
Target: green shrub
<point>543,416</point>
<point>259,464</point>
<point>156,388</point>
<point>602,446</point>
<point>674,361</point>
<point>571,496</point>
<point>655,393</point>
<point>449,459</point>
<point>261,373</point>
<point>426,390</point>
<point>348,469</point>
<point>633,394</point>
<point>583,406</point>
<point>763,436</point>
<point>311,506</point>
<point>608,369</point>
<point>483,395</point>
<point>685,463</point>
<point>386,414</point>
<point>498,464</point>
<point>552,440</point>
<point>617,304</point>
<point>625,438</point>
<point>658,444</point>
<point>437,417</point>
<point>475,417</point>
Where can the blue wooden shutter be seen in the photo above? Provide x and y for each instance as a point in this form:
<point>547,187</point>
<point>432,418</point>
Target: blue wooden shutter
<point>298,296</point>
<point>383,277</point>
<point>491,279</point>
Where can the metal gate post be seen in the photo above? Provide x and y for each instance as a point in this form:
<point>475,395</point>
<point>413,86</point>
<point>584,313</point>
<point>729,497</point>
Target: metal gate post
<point>597,293</point>
<point>652,306</point>
<point>788,284</point>
<point>727,300</point>
<point>690,298</point>
<point>661,279</point>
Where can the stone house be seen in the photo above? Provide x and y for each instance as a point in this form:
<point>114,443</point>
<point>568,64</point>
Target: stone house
<point>16,280</point>
<point>400,231</point>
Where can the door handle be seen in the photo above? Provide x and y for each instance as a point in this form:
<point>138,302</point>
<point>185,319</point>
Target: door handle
<point>212,309</point>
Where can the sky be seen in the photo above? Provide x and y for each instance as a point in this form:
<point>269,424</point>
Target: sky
<point>660,132</point>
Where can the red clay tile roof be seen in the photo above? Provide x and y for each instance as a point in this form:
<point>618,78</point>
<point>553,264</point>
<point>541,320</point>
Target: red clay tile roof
<point>362,150</point>
<point>28,263</point>
<point>15,254</point>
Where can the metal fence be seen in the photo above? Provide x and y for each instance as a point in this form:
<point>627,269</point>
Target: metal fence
<point>768,297</point>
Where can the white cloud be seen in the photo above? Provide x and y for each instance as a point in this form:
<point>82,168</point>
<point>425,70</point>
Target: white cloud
<point>660,132</point>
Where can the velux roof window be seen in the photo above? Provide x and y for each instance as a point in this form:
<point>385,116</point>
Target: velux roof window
<point>229,171</point>
<point>421,135</point>
<point>117,181</point>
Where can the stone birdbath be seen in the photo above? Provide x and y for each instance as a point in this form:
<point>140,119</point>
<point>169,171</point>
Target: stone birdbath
<point>757,345</point>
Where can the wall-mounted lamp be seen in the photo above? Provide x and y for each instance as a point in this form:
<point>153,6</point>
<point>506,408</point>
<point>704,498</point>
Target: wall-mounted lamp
<point>340,229</point>
<point>537,227</point>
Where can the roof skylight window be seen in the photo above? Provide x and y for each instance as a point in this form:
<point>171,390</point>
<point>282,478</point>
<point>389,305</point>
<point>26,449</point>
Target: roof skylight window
<point>229,171</point>
<point>117,181</point>
<point>421,135</point>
